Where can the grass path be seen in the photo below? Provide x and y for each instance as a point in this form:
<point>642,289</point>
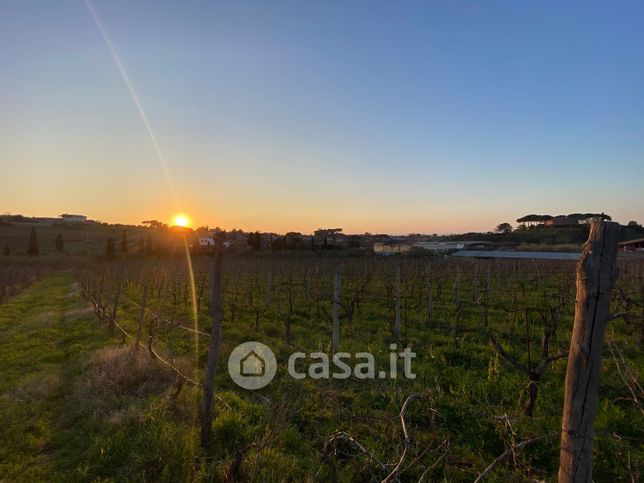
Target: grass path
<point>44,333</point>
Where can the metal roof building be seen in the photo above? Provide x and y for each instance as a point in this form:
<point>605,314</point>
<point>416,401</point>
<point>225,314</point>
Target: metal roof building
<point>520,255</point>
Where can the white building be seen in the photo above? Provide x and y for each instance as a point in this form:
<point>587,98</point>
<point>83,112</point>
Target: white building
<point>209,242</point>
<point>67,218</point>
<point>445,246</point>
<point>205,242</point>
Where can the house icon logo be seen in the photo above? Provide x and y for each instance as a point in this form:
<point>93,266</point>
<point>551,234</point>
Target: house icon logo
<point>252,365</point>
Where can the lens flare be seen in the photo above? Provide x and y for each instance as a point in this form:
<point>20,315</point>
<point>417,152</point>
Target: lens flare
<point>133,94</point>
<point>180,220</point>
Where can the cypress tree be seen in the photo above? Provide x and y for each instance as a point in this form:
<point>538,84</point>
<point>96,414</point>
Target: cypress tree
<point>109,249</point>
<point>32,248</point>
<point>60,244</point>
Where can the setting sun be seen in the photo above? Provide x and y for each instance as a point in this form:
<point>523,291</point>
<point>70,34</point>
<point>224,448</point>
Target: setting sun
<point>181,220</point>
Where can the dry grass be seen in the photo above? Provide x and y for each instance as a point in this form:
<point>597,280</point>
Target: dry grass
<point>121,371</point>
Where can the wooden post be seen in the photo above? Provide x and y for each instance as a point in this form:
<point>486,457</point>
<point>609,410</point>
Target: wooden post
<point>397,306</point>
<point>139,331</point>
<point>217,313</point>
<point>596,274</point>
<point>115,308</point>
<point>337,287</point>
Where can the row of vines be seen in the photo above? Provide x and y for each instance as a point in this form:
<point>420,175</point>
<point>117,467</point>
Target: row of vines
<point>492,333</point>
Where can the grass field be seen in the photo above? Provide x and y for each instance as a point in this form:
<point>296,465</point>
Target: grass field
<point>64,413</point>
<point>79,239</point>
<point>77,405</point>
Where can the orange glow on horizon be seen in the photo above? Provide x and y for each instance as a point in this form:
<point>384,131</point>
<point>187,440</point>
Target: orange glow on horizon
<point>181,220</point>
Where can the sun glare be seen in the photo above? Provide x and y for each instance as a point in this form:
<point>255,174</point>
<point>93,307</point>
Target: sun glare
<point>181,220</point>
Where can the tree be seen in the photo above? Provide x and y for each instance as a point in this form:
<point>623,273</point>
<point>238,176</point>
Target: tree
<point>504,228</point>
<point>32,248</point>
<point>124,242</point>
<point>633,224</point>
<point>154,224</point>
<point>7,252</point>
<point>279,243</point>
<point>109,249</point>
<point>532,219</point>
<point>59,243</point>
<point>590,217</point>
<point>254,241</point>
<point>354,241</point>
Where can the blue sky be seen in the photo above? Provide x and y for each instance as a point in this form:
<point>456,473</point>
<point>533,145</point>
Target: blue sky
<point>374,116</point>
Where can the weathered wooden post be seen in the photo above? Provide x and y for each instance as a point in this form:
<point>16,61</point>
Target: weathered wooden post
<point>217,314</point>
<point>139,330</point>
<point>337,293</point>
<point>595,276</point>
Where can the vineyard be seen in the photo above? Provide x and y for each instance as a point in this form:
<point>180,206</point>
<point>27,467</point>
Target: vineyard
<point>491,339</point>
<point>14,278</point>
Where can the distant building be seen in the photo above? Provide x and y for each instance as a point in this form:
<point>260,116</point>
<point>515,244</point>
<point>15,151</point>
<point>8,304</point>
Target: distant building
<point>68,218</point>
<point>517,255</point>
<point>449,246</point>
<point>636,245</point>
<point>205,242</point>
<point>391,248</point>
<point>442,246</point>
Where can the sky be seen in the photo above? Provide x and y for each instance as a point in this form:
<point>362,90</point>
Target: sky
<point>398,117</point>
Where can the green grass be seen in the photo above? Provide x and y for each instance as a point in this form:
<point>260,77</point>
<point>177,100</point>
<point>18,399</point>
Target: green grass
<point>77,406</point>
<point>39,339</point>
<point>60,420</point>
